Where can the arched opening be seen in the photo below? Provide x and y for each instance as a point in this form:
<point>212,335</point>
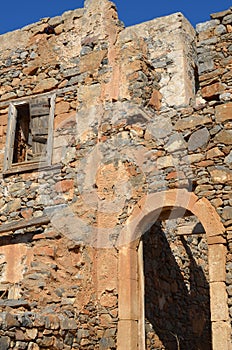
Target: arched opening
<point>176,286</point>
<point>132,285</point>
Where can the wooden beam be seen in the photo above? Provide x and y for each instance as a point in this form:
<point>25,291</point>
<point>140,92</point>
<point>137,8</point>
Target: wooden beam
<point>17,225</point>
<point>31,165</point>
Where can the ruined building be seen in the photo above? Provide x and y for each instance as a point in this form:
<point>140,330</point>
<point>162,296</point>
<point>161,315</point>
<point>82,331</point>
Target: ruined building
<point>115,155</point>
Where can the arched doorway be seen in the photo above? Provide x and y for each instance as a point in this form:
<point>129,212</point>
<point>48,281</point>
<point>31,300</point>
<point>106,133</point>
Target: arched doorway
<point>176,288</point>
<point>131,334</point>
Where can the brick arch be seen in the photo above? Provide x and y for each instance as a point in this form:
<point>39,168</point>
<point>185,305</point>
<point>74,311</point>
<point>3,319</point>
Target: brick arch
<point>131,308</point>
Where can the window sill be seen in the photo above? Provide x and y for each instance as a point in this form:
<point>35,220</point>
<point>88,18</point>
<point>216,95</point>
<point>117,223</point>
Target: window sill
<point>29,167</point>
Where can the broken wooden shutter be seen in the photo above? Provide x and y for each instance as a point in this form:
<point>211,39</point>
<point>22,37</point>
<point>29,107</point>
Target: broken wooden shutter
<point>39,112</point>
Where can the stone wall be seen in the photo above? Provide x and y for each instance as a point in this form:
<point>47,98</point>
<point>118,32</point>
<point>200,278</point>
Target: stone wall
<point>138,111</point>
<point>214,55</point>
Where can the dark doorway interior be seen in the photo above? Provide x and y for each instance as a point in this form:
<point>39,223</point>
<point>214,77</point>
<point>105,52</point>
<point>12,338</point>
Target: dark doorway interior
<point>177,303</point>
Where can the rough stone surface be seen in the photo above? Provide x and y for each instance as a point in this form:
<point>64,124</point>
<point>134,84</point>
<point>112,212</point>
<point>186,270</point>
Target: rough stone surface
<point>223,112</point>
<point>198,139</point>
<point>138,112</point>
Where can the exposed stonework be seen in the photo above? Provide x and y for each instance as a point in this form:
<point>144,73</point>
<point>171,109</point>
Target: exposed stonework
<point>116,195</point>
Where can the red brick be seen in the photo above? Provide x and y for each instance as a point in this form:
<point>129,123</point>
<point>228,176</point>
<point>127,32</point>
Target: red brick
<point>44,251</point>
<point>64,185</point>
<point>62,107</point>
<point>27,213</point>
<point>39,236</point>
<point>212,90</point>
<point>223,112</point>
<point>4,119</point>
<point>205,163</point>
<point>155,100</point>
<point>63,118</point>
<point>31,69</point>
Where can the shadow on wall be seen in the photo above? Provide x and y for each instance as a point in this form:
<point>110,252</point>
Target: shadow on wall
<point>177,302</point>
<point>26,237</point>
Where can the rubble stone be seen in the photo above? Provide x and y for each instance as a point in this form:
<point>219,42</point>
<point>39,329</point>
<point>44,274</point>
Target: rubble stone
<point>129,140</point>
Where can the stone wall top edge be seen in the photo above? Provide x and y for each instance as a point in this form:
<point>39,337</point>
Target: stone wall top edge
<point>221,13</point>
<point>214,18</point>
<point>16,38</point>
<point>156,21</point>
<point>21,35</point>
<point>173,19</point>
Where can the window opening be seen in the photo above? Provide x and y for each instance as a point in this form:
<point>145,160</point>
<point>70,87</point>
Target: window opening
<point>30,128</point>
<point>31,132</point>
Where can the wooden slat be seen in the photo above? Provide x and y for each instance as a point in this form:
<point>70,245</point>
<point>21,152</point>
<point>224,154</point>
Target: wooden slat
<point>39,139</point>
<point>39,125</point>
<point>17,225</point>
<point>39,130</point>
<point>39,110</point>
<point>39,106</point>
<point>22,100</point>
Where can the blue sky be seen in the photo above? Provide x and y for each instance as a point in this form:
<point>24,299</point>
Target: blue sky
<point>15,14</point>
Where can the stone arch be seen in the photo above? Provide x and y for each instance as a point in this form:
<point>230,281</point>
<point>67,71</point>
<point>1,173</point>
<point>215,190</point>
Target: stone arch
<point>131,308</point>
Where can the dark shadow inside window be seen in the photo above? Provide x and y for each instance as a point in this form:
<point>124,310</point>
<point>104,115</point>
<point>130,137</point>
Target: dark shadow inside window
<point>22,134</point>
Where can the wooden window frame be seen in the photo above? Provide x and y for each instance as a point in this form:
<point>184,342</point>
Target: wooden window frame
<point>9,167</point>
